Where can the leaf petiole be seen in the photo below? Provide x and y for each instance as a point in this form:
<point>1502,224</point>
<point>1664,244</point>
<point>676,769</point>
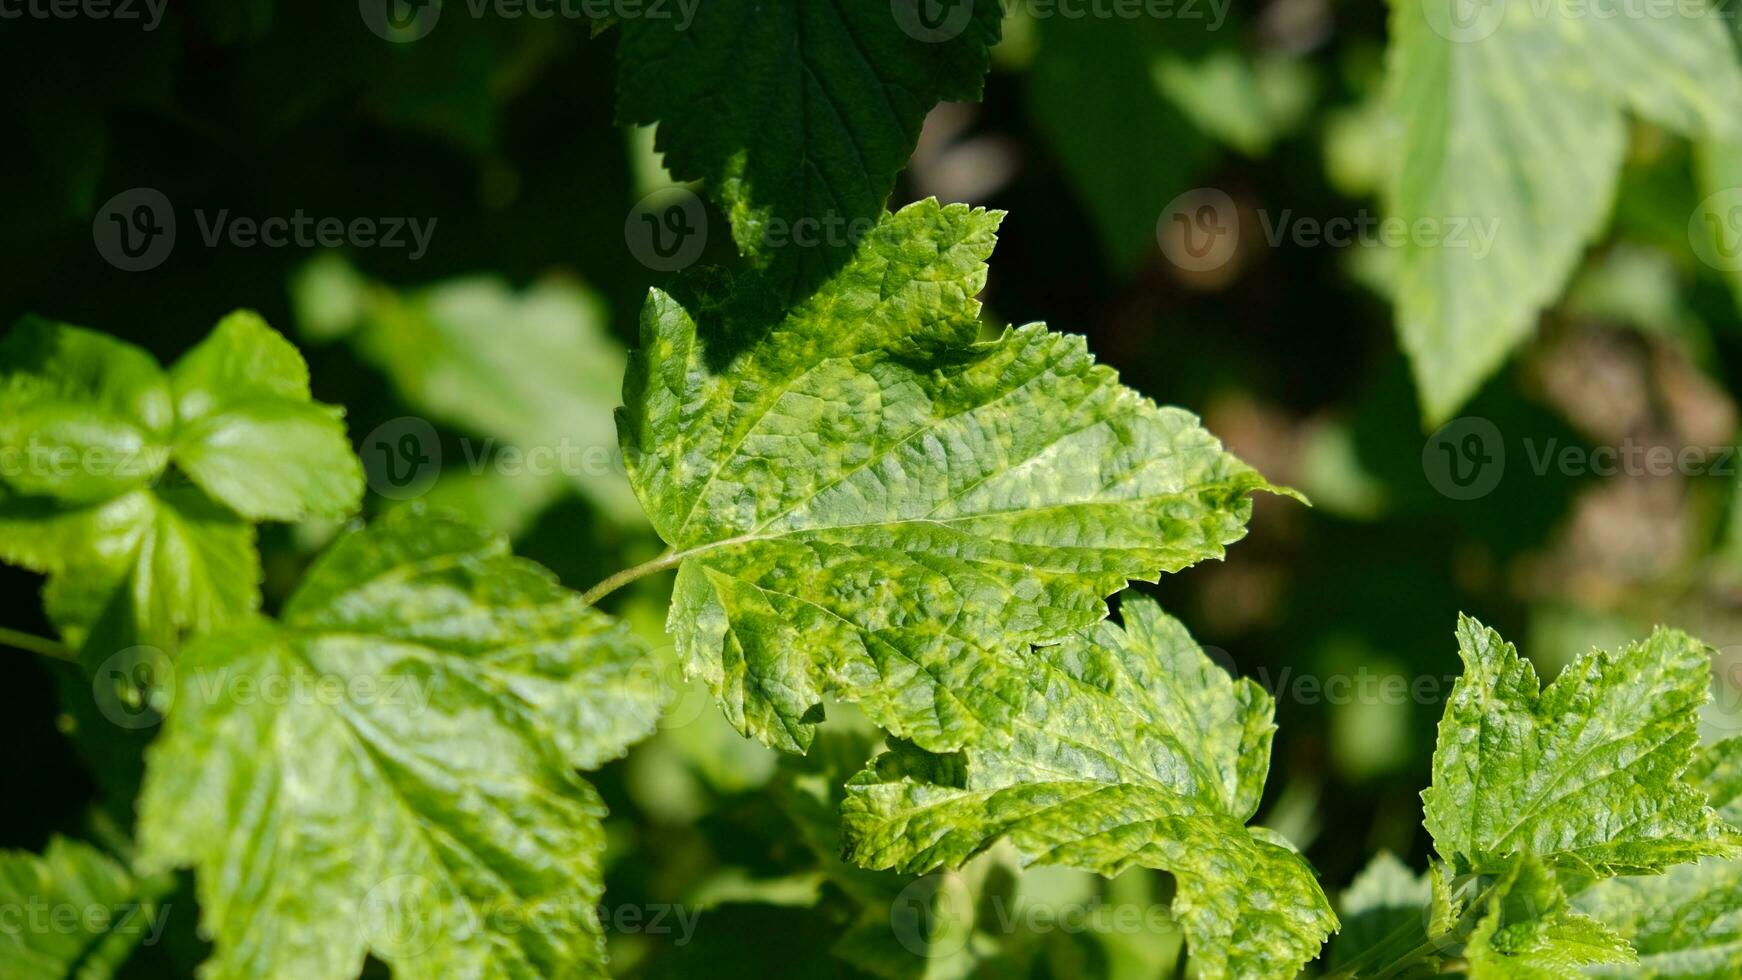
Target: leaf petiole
<point>669,559</point>
<point>31,643</point>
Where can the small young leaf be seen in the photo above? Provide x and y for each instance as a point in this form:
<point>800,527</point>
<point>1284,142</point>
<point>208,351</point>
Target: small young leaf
<point>1513,131</point>
<point>1130,747</point>
<point>799,113</point>
<point>869,505</point>
<point>390,770</point>
<point>83,416</point>
<point>1386,898</point>
<point>248,432</point>
<point>88,426</point>
<point>110,914</point>
<point>1528,931</point>
<point>1585,775</point>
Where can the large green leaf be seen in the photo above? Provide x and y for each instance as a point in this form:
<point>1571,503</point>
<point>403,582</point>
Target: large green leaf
<point>89,426</point>
<point>1129,746</point>
<point>800,111</point>
<point>866,504</point>
<point>1683,923</point>
<point>1513,118</point>
<point>390,771</point>
<point>74,914</point>
<point>1584,775</point>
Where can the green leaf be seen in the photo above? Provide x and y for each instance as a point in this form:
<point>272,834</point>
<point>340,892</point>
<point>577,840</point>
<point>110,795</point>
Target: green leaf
<point>866,504</point>
<point>408,791</point>
<point>89,427</point>
<point>1384,899</point>
<point>1513,117</point>
<point>1130,747</point>
<point>83,416</point>
<point>1528,931</point>
<point>1585,775</point>
<point>249,434</point>
<point>76,914</point>
<point>798,110</point>
<point>1683,923</point>
<point>549,394</point>
<point>1124,145</point>
<point>169,563</point>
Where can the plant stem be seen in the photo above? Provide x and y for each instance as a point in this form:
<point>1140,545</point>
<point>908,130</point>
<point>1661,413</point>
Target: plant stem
<point>1358,967</point>
<point>31,643</point>
<point>668,560</point>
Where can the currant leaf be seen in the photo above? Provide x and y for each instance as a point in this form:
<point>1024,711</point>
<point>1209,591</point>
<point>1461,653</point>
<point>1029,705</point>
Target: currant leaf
<point>796,111</point>
<point>866,504</point>
<point>1683,923</point>
<point>76,913</point>
<point>1585,775</point>
<point>409,791</point>
<point>88,495</point>
<point>1483,152</point>
<point>1130,746</point>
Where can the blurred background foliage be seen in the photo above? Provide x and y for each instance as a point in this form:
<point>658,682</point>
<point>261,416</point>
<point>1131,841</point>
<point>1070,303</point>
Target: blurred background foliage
<point>510,333</point>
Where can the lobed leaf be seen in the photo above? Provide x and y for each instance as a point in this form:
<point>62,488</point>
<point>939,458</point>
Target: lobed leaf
<point>76,914</point>
<point>866,504</point>
<point>90,427</point>
<point>1129,746</point>
<point>410,791</point>
<point>1529,931</point>
<point>1585,775</point>
<point>798,111</point>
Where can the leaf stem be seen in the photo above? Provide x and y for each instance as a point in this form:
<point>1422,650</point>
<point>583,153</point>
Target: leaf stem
<point>1409,957</point>
<point>31,643</point>
<point>669,559</point>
